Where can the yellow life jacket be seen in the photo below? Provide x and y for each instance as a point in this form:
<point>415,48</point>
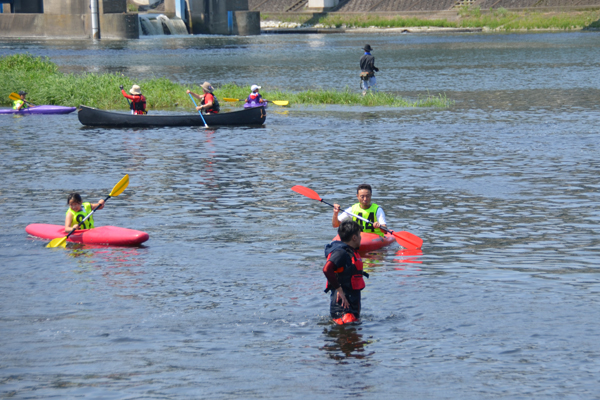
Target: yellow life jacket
<point>16,104</point>
<point>370,214</point>
<point>86,208</point>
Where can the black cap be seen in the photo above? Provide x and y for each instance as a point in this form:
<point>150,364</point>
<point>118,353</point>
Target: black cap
<point>22,92</point>
<point>367,47</point>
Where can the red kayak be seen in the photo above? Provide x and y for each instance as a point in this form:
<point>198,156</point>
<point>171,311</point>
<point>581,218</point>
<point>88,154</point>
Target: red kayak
<point>103,235</point>
<point>372,241</point>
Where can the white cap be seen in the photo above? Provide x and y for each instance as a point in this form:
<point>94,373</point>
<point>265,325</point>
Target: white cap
<point>254,87</point>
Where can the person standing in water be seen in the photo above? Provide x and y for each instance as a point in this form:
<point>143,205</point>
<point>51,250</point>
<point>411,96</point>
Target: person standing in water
<point>368,69</point>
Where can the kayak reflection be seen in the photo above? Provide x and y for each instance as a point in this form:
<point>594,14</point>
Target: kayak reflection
<point>120,266</point>
<point>344,341</point>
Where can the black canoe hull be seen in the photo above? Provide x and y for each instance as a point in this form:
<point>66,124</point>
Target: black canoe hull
<point>95,117</point>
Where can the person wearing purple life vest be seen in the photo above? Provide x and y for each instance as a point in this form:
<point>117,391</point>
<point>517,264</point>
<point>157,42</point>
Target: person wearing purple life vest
<point>255,98</point>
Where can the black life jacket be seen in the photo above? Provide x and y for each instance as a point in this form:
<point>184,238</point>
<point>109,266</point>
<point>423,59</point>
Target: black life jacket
<point>138,104</point>
<point>351,275</point>
<point>215,107</point>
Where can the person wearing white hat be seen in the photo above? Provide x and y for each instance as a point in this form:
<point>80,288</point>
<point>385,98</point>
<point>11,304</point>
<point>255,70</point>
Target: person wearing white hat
<point>255,99</point>
<point>138,100</point>
<point>208,101</point>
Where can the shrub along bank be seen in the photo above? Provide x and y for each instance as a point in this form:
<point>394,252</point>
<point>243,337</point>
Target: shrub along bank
<point>45,84</point>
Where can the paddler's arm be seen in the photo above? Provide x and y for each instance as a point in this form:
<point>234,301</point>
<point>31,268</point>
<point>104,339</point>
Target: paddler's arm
<point>380,216</point>
<point>196,95</point>
<point>329,271</point>
<point>335,222</point>
<point>69,222</point>
<point>99,203</point>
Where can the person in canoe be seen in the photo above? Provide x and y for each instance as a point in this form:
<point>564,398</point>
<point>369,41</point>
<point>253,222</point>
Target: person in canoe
<point>344,273</point>
<point>78,211</point>
<point>254,98</point>
<point>138,100</point>
<point>364,208</point>
<point>208,101</point>
<point>368,69</point>
<point>21,104</point>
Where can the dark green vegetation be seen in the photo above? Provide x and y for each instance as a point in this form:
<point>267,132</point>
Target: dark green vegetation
<point>468,17</point>
<point>47,85</point>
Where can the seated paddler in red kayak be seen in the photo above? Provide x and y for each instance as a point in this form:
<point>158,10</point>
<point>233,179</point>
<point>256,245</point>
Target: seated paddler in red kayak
<point>344,273</point>
<point>364,208</point>
<point>78,211</point>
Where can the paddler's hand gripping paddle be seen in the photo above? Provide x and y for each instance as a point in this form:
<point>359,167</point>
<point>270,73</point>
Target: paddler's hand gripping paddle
<point>117,190</point>
<point>404,239</point>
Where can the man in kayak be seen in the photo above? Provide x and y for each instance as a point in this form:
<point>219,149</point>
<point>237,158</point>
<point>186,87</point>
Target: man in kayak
<point>138,100</point>
<point>208,101</point>
<point>78,211</point>
<point>254,97</point>
<point>367,68</point>
<point>344,273</point>
<point>21,104</point>
<point>364,208</point>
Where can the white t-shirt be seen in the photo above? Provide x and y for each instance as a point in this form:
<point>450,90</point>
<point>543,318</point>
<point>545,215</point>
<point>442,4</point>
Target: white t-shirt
<point>380,215</point>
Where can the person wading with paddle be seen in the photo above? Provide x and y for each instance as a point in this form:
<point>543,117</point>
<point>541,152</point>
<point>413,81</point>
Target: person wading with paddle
<point>367,68</point>
<point>364,208</point>
<point>21,104</point>
<point>344,273</point>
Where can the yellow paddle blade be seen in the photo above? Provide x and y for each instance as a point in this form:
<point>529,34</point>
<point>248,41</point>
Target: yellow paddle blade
<point>14,96</point>
<point>58,242</point>
<point>230,99</point>
<point>281,102</point>
<point>119,187</point>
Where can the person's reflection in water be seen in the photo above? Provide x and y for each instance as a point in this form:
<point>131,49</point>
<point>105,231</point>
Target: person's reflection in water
<point>345,341</point>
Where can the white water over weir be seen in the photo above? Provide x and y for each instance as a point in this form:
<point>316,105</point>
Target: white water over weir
<point>160,24</point>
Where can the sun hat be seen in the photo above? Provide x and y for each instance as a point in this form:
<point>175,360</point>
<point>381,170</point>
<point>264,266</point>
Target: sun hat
<point>254,87</point>
<point>135,89</point>
<point>207,87</point>
<point>367,47</point>
<point>22,92</point>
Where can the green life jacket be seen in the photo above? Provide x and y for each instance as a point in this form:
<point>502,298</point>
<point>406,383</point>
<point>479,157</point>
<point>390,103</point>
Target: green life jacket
<point>16,104</point>
<point>86,208</point>
<point>370,214</point>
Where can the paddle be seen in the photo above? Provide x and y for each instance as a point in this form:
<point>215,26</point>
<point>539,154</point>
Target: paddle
<point>404,239</point>
<point>117,190</point>
<point>199,111</point>
<point>278,102</point>
<point>15,96</point>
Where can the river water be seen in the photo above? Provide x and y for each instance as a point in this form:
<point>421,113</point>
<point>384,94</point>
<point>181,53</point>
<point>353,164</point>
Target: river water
<point>225,301</point>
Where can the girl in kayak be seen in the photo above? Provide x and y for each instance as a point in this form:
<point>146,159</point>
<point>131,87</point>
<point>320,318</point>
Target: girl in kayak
<point>254,98</point>
<point>208,101</point>
<point>78,211</point>
<point>138,100</point>
<point>21,104</point>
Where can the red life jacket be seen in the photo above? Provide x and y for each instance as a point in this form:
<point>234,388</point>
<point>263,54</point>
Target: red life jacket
<point>350,277</point>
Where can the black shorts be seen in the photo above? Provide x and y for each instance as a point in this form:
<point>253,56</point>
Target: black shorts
<point>337,311</point>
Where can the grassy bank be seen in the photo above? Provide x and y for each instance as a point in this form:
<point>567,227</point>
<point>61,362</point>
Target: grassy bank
<point>468,17</point>
<point>47,85</point>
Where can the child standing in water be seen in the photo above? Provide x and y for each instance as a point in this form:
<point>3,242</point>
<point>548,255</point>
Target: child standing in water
<point>78,211</point>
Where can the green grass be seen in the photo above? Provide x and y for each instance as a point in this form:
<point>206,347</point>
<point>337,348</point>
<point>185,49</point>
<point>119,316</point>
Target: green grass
<point>46,85</point>
<point>468,17</point>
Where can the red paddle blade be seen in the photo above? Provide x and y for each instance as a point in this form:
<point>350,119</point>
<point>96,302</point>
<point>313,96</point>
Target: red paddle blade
<point>408,240</point>
<point>311,194</point>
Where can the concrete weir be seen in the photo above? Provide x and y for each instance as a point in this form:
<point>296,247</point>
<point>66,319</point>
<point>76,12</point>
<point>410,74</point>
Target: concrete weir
<point>76,19</point>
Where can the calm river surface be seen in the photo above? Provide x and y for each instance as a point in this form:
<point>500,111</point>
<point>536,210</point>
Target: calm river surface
<point>225,301</point>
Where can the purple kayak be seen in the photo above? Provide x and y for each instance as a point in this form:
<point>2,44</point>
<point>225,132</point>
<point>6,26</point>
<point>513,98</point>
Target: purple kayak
<point>40,110</point>
<point>253,104</point>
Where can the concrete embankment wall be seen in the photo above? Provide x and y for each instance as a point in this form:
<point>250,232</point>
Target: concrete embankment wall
<point>72,19</point>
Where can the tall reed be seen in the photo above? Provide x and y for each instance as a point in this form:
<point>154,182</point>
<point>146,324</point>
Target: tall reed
<point>46,85</point>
